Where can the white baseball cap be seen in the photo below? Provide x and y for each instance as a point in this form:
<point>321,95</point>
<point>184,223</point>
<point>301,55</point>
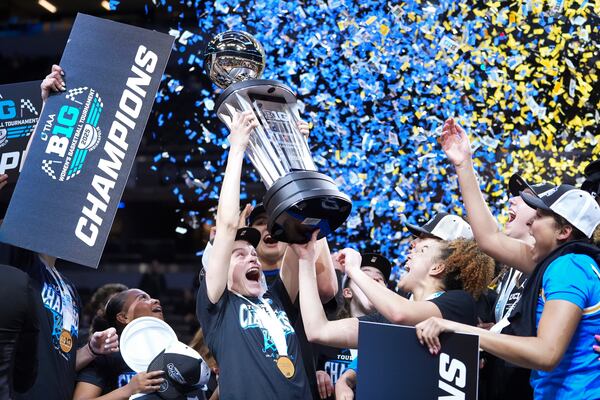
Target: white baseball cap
<point>443,226</point>
<point>577,206</point>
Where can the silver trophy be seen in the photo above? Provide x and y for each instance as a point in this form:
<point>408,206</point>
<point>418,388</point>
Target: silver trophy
<point>299,199</point>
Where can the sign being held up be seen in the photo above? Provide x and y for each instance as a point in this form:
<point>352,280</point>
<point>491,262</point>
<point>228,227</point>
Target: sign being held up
<point>20,106</point>
<point>393,364</point>
<point>86,141</point>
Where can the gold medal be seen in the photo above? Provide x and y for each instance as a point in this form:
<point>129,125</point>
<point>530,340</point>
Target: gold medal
<point>66,341</point>
<point>286,366</point>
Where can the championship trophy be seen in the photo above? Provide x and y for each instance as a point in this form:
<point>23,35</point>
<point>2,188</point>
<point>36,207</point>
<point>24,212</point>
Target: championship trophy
<point>299,199</point>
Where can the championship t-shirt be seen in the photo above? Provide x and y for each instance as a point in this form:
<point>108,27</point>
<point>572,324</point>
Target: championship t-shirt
<point>108,372</point>
<point>334,361</point>
<point>246,352</point>
<point>574,278</point>
<point>59,329</point>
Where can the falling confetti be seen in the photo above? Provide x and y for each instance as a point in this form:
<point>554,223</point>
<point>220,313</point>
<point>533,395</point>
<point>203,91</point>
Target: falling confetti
<point>377,81</point>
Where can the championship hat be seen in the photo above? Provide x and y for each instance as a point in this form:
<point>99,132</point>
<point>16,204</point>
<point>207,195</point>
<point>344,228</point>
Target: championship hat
<point>184,371</point>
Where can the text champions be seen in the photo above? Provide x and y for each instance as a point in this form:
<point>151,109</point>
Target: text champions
<point>115,147</point>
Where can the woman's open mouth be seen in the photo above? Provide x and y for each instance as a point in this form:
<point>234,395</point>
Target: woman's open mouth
<point>268,239</point>
<point>253,274</point>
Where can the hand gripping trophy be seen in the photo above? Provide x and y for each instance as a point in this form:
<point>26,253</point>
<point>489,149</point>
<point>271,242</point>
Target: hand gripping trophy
<point>299,199</point>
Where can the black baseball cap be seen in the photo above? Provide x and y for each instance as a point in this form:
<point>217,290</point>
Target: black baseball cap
<point>184,371</point>
<point>517,184</point>
<point>592,178</point>
<point>249,235</point>
<point>577,206</point>
<point>257,211</point>
<point>443,226</point>
<point>377,261</point>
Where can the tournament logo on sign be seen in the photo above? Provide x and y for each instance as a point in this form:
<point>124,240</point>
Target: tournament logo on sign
<point>16,124</point>
<point>72,133</point>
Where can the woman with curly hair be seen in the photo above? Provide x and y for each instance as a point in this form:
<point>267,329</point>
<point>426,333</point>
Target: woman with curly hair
<point>444,278</point>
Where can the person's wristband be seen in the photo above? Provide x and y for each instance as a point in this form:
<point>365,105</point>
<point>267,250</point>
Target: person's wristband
<point>92,350</point>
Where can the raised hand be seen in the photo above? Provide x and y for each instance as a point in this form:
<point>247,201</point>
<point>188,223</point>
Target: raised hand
<point>455,143</point>
<point>53,82</point>
<point>307,251</point>
<point>244,215</point>
<point>335,258</point>
<point>350,259</point>
<point>241,126</point>
<point>303,127</point>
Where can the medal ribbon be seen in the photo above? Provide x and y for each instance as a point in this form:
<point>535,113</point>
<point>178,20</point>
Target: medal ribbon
<point>66,299</point>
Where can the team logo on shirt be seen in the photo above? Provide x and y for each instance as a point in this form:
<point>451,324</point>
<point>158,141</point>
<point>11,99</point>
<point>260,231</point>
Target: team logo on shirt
<point>72,133</point>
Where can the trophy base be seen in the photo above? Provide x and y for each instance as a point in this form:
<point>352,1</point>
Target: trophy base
<point>303,201</point>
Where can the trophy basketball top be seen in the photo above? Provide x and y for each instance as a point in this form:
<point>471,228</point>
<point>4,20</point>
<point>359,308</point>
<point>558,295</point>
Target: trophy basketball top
<point>233,56</point>
<point>299,199</point>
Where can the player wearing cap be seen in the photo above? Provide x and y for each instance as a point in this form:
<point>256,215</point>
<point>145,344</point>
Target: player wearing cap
<point>512,281</point>
<point>276,261</point>
<point>248,330</point>
<point>559,312</point>
<point>499,380</point>
<point>331,361</point>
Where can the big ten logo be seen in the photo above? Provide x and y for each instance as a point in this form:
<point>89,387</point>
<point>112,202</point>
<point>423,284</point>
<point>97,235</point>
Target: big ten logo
<point>453,378</point>
<point>8,109</point>
<point>62,131</point>
<point>71,133</point>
